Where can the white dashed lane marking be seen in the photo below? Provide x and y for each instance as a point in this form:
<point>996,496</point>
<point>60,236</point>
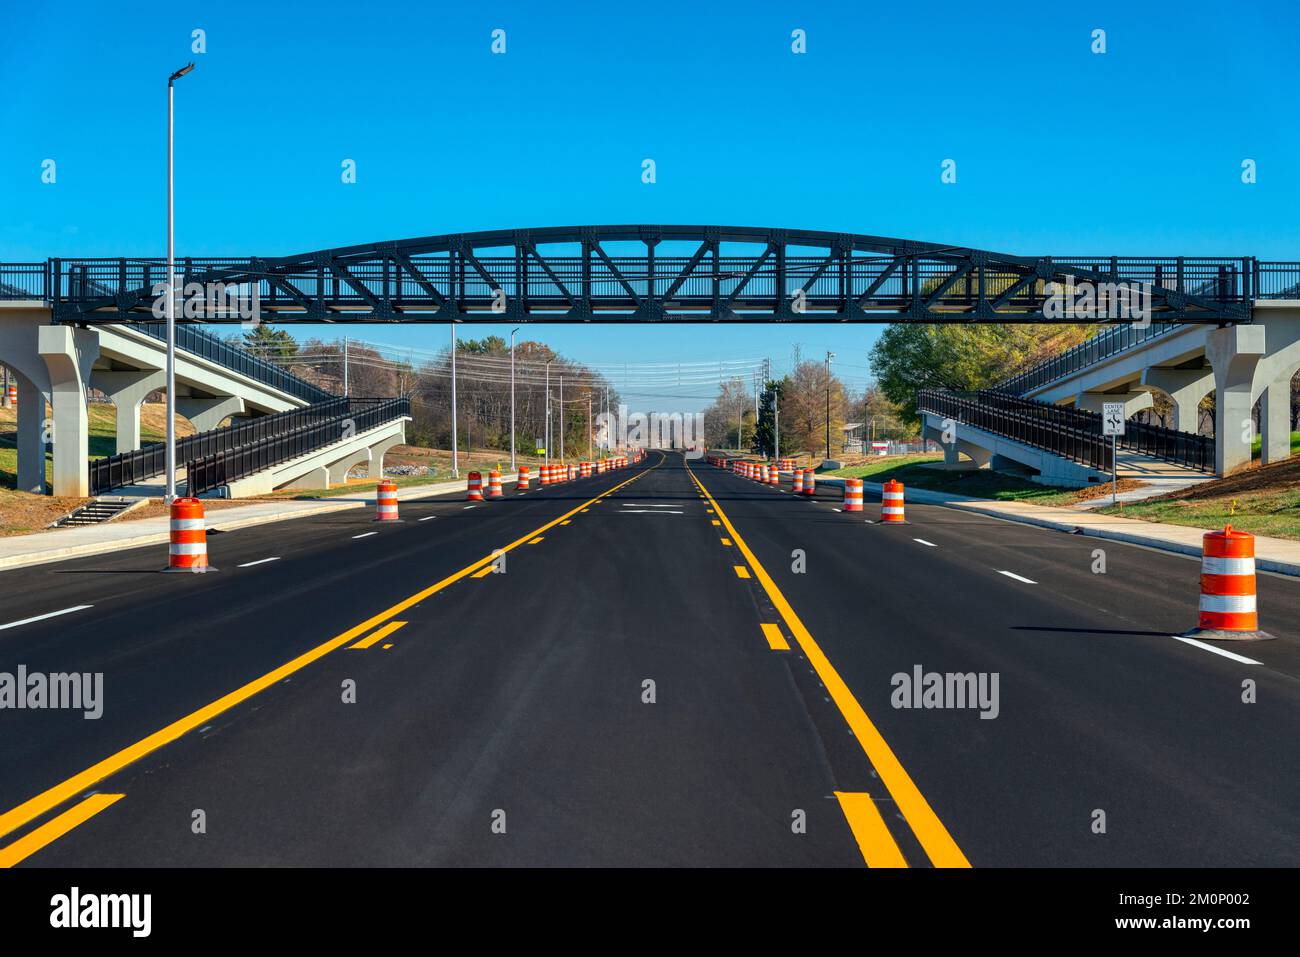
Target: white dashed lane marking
<point>365,534</point>
<point>260,561</point>
<point>1019,578</point>
<point>51,614</point>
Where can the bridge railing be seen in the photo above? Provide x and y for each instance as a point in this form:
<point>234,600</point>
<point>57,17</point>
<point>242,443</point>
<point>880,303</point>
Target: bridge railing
<point>24,280</point>
<point>1053,434</point>
<point>127,468</point>
<point>1105,344</point>
<point>209,472</point>
<point>1182,448</point>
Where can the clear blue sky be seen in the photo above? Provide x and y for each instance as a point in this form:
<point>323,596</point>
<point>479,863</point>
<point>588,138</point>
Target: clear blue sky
<point>1058,150</point>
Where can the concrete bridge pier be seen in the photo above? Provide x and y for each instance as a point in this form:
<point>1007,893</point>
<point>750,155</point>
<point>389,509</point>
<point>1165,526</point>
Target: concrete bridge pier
<point>1233,353</point>
<point>31,435</point>
<point>1186,388</point>
<point>127,391</point>
<point>1134,402</point>
<point>207,414</point>
<point>69,353</point>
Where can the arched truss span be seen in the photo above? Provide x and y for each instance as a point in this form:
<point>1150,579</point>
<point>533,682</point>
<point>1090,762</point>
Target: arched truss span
<point>662,274</point>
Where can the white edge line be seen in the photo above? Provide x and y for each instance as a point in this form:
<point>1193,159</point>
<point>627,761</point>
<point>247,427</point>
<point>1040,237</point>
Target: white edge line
<point>1218,651</point>
<point>260,561</point>
<point>1019,578</point>
<point>52,614</point>
<point>365,534</point>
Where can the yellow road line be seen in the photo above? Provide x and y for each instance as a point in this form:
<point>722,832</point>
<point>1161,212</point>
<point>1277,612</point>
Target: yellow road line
<point>775,640</point>
<point>741,571</point>
<point>52,797</point>
<point>536,540</point>
<point>379,634</point>
<point>566,521</point>
<point>870,831</point>
<point>52,830</point>
<point>726,541</point>
<point>483,572</point>
<point>716,522</point>
<point>934,837</point>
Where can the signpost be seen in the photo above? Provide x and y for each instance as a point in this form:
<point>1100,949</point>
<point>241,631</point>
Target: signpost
<point>1112,424</point>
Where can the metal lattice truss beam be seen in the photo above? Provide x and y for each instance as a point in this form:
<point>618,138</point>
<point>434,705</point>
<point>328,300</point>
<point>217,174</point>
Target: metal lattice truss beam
<point>713,274</point>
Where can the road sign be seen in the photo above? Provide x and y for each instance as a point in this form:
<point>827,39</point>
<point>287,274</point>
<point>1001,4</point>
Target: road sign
<point>541,447</point>
<point>1112,418</point>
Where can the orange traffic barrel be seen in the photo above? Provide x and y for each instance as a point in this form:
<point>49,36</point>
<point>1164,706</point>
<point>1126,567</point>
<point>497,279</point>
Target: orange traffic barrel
<point>572,472</point>
<point>386,501</point>
<point>891,502</point>
<point>546,474</point>
<point>853,495</point>
<point>522,484</point>
<point>13,394</point>
<point>1228,587</point>
<point>798,481</point>
<point>494,483</point>
<point>188,550</point>
<point>584,470</point>
<point>773,475</point>
<point>809,482</point>
<point>475,487</point>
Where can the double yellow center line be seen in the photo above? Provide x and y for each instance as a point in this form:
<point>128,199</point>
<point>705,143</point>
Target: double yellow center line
<point>878,846</point>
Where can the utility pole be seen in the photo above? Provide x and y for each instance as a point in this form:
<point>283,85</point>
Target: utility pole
<point>829,357</point>
<point>345,366</point>
<point>547,440</point>
<point>589,439</point>
<point>776,424</point>
<point>561,418</point>
<point>512,397</point>
<point>455,458</point>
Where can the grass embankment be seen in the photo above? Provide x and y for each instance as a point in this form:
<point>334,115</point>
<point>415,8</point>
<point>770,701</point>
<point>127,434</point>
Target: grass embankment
<point>1256,446</point>
<point>918,471</point>
<point>1261,500</point>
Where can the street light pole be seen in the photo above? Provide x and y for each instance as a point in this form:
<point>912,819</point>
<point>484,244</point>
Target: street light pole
<point>170,455</point>
<point>561,418</point>
<point>512,397</point>
<point>776,424</point>
<point>589,439</point>
<point>455,456</point>
<point>548,411</point>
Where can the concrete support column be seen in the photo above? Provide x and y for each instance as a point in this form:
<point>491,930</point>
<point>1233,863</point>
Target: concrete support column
<point>31,437</point>
<point>1233,354</point>
<point>380,449</point>
<point>1186,387</point>
<point>1134,402</point>
<point>208,414</point>
<point>1275,421</point>
<point>69,354</point>
<point>128,390</point>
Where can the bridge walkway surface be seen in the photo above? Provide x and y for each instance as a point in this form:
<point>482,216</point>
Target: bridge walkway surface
<point>520,697</point>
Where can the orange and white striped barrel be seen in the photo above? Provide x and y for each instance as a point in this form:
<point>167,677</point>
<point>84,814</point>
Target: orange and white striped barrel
<point>546,474</point>
<point>386,501</point>
<point>853,495</point>
<point>798,481</point>
<point>773,475</point>
<point>474,487</point>
<point>494,483</point>
<point>785,465</point>
<point>891,502</point>
<point>584,470</point>
<point>13,395</point>
<point>1228,583</point>
<point>809,482</point>
<point>573,472</point>
<point>521,485</point>
<point>188,550</point>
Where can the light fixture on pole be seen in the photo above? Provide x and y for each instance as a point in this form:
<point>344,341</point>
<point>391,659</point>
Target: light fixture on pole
<point>170,455</point>
<point>512,397</point>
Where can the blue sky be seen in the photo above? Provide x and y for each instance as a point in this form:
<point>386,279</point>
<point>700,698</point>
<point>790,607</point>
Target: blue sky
<point>1058,150</point>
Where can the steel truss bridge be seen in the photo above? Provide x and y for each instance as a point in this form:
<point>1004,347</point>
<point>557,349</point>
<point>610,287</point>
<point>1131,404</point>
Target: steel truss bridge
<point>621,274</point>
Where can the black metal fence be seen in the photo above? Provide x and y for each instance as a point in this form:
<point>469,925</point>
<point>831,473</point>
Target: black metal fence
<point>128,468</point>
<point>207,346</point>
<point>1101,346</point>
<point>228,465</point>
<point>1052,434</point>
<point>1181,448</point>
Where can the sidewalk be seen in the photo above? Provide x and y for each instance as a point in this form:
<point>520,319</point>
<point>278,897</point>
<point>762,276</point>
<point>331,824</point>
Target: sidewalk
<point>1271,554</point>
<point>18,551</point>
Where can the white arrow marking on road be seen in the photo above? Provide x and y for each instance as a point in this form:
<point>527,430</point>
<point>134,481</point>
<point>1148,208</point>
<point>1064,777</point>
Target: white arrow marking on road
<point>1218,651</point>
<point>260,561</point>
<point>1019,578</point>
<point>53,614</point>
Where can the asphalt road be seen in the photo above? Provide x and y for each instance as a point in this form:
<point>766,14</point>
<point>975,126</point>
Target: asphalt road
<point>614,697</point>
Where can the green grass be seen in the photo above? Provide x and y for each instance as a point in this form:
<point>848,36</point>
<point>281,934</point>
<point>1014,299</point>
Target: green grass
<point>913,472</point>
<point>1275,514</point>
<point>1256,447</point>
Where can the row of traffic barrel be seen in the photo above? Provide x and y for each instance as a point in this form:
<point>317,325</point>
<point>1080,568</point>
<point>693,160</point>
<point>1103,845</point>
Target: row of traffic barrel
<point>1227,611</point>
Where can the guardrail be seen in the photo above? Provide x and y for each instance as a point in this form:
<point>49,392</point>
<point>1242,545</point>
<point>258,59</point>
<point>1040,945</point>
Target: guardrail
<point>127,468</point>
<point>1105,344</point>
<point>1181,448</point>
<point>1044,432</point>
<point>213,471</point>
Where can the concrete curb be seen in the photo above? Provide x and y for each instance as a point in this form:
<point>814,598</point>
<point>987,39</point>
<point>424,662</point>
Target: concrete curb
<point>339,504</point>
